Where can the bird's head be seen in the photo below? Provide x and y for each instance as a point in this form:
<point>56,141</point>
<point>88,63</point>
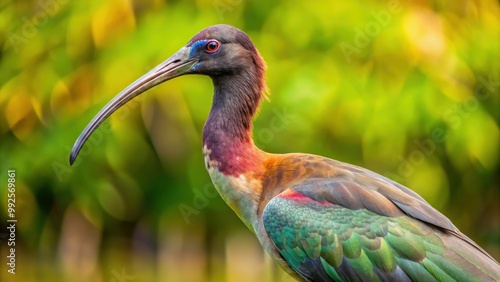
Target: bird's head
<point>222,50</point>
<point>219,51</point>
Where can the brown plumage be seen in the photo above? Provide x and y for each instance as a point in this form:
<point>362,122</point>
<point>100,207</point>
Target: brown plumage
<point>320,219</point>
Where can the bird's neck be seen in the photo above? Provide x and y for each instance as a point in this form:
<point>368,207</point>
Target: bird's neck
<point>233,161</point>
<point>227,134</point>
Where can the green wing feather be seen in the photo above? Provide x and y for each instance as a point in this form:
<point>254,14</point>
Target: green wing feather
<point>322,241</point>
<point>331,221</point>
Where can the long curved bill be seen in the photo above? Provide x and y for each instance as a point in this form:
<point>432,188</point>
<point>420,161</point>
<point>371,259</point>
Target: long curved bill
<point>175,66</point>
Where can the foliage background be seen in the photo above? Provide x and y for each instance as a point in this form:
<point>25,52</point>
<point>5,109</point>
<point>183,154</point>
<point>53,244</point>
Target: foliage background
<point>417,99</point>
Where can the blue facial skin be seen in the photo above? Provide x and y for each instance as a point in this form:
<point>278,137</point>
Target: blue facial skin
<point>195,48</point>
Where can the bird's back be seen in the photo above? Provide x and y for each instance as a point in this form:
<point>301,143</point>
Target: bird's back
<point>332,221</point>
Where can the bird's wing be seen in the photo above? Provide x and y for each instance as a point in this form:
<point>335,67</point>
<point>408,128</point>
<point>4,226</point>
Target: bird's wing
<point>352,224</point>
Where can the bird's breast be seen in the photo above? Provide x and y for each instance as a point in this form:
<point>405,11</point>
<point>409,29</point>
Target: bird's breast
<point>239,192</point>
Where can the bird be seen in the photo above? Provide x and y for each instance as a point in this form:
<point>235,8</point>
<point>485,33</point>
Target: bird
<point>320,219</point>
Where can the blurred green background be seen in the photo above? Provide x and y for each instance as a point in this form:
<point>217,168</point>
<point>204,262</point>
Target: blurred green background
<point>408,89</point>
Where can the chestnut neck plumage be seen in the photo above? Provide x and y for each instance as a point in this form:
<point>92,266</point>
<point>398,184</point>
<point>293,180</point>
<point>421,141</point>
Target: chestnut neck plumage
<point>228,130</point>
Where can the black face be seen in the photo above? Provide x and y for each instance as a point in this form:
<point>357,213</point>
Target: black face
<point>222,50</point>
<point>218,58</point>
<point>209,53</point>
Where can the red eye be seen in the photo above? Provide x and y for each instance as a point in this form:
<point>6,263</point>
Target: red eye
<point>211,46</point>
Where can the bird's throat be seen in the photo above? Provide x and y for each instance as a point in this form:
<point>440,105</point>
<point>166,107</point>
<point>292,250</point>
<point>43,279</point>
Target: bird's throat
<point>227,134</point>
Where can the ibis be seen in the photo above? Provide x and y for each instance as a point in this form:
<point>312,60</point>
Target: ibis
<point>320,219</point>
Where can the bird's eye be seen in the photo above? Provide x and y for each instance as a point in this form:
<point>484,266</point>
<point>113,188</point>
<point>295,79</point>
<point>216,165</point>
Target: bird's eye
<point>212,46</point>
